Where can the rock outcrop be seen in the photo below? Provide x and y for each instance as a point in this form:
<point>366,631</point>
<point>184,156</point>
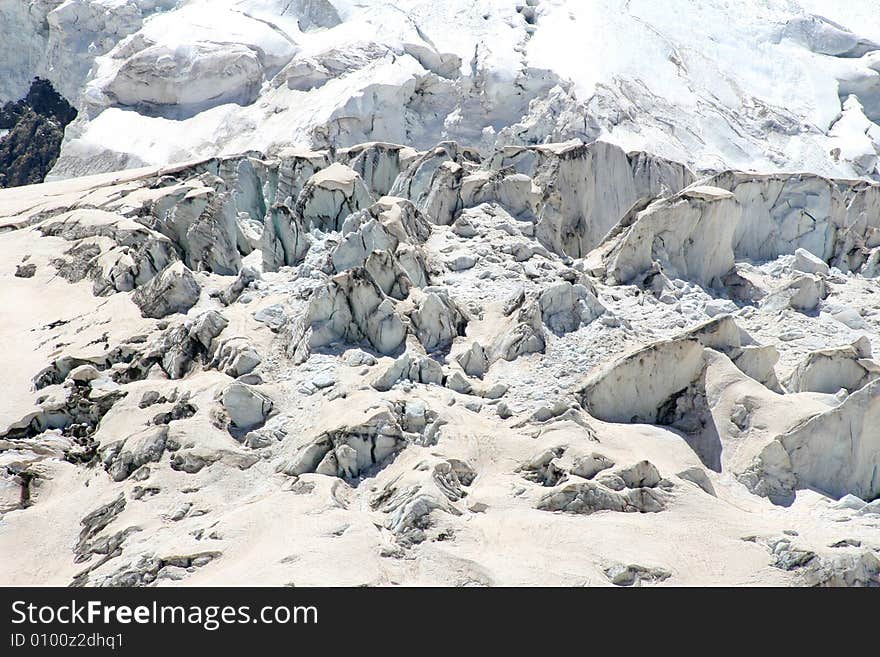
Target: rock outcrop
<point>31,132</point>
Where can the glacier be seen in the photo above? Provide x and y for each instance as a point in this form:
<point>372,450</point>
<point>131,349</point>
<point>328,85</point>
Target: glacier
<point>767,85</point>
<point>539,292</point>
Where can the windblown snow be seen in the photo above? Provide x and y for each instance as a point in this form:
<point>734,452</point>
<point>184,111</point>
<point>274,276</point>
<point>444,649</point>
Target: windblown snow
<point>450,293</point>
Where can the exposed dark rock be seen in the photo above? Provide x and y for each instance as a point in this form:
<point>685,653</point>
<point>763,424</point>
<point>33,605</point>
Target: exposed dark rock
<point>25,271</point>
<point>36,129</point>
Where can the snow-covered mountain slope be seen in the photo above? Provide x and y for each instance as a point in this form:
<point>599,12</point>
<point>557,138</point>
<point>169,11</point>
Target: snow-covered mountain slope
<point>763,84</point>
<point>379,366</point>
<point>260,346</point>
